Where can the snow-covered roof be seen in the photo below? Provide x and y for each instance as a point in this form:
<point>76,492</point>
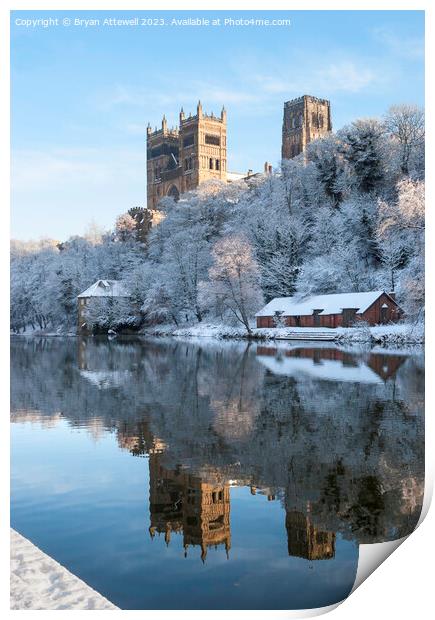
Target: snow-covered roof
<point>328,304</point>
<point>236,176</point>
<point>106,288</point>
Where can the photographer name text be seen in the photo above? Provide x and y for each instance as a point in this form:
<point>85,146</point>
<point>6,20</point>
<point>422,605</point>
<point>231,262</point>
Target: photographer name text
<point>137,22</point>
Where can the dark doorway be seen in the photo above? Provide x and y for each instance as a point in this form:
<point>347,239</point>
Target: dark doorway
<point>174,193</point>
<point>316,319</point>
<point>349,316</point>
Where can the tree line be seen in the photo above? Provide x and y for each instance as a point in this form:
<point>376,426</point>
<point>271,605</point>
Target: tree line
<point>347,215</point>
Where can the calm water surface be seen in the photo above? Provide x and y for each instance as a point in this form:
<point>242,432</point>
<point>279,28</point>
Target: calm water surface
<point>206,475</point>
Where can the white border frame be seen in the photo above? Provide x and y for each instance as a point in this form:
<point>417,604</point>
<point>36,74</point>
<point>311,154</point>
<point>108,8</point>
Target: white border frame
<point>402,585</point>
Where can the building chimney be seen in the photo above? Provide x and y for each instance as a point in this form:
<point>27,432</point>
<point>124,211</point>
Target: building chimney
<point>392,294</point>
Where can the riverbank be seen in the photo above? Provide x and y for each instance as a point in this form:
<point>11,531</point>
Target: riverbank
<point>391,335</point>
<point>39,582</point>
<point>398,334</point>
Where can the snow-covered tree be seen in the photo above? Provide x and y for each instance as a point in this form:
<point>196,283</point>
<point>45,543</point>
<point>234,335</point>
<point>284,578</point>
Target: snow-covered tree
<point>326,154</point>
<point>234,278</point>
<point>407,213</point>
<point>346,216</point>
<point>125,228</point>
<point>405,123</point>
<point>363,149</point>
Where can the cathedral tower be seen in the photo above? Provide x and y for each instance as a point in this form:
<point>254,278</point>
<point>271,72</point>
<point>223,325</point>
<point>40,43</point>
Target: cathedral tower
<point>305,540</point>
<point>178,160</point>
<point>305,119</point>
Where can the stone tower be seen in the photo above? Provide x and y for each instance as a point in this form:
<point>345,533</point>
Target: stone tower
<point>305,119</point>
<point>305,540</point>
<point>181,502</point>
<point>207,515</point>
<point>180,159</point>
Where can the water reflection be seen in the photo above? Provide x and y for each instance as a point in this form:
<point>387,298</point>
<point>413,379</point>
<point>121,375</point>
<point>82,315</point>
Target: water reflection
<point>332,436</point>
<point>182,502</point>
<point>331,363</point>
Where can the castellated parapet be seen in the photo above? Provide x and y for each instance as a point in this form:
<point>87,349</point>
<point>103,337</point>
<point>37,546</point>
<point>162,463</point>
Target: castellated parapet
<point>181,158</point>
<point>305,119</point>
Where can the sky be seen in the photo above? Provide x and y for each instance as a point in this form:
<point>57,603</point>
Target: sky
<point>83,95</point>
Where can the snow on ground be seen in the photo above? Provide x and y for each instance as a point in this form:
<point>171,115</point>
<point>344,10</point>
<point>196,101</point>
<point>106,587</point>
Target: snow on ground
<point>394,334</point>
<point>39,582</point>
<point>36,331</point>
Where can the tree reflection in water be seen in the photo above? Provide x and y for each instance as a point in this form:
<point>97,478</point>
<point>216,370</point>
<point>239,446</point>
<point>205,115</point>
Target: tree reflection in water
<point>335,436</point>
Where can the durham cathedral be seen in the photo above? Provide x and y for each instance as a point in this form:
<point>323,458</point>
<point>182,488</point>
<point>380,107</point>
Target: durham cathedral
<point>180,158</point>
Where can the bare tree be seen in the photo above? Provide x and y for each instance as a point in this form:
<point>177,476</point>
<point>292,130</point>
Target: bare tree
<point>234,278</point>
<point>391,254</point>
<point>406,124</point>
<point>407,213</point>
<point>125,227</point>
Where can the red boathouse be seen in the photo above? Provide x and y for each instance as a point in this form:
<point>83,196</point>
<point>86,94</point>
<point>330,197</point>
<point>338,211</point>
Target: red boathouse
<point>336,310</point>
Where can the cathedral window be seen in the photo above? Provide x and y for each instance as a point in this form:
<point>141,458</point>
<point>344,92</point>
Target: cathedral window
<point>188,163</point>
<point>210,163</point>
<point>217,164</point>
<point>210,139</point>
<point>156,151</point>
<point>188,140</point>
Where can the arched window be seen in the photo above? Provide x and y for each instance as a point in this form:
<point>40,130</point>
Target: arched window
<point>186,164</point>
<point>211,163</point>
<point>173,193</point>
<point>217,165</point>
<point>190,164</point>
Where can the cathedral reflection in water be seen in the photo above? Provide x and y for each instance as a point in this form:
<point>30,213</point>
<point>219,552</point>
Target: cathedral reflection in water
<point>198,508</point>
<point>281,457</point>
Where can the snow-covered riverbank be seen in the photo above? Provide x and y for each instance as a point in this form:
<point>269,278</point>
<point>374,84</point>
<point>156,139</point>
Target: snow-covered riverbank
<point>398,334</point>
<point>391,335</point>
<point>39,582</point>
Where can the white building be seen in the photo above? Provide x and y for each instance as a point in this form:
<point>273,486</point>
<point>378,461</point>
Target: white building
<point>100,289</point>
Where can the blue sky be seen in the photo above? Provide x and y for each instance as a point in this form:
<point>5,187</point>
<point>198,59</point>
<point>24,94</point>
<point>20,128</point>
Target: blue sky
<point>81,97</point>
